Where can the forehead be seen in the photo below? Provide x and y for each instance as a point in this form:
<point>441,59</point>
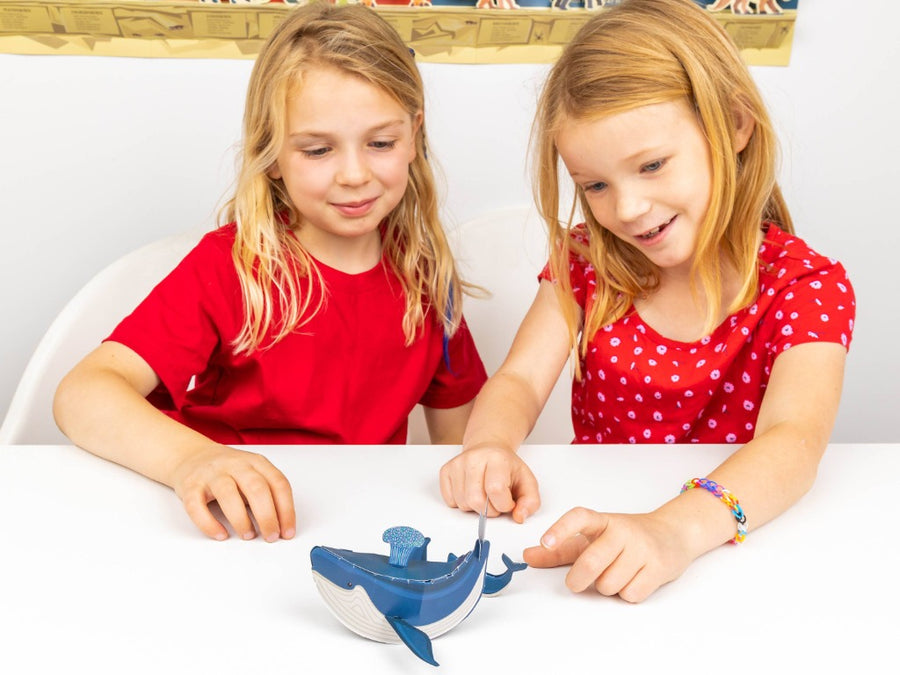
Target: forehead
<point>328,96</point>
<point>668,122</point>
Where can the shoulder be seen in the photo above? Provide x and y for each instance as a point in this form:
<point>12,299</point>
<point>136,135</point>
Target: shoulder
<point>808,295</point>
<point>219,240</point>
<point>781,250</point>
<point>212,252</point>
<point>787,260</point>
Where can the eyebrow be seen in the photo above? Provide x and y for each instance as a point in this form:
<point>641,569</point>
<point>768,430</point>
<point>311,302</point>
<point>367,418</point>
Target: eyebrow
<point>313,134</point>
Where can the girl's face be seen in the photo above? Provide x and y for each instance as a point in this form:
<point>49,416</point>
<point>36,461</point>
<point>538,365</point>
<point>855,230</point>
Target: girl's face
<point>647,177</point>
<point>344,162</point>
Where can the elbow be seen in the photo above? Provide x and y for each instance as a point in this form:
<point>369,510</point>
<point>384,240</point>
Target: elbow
<point>64,400</point>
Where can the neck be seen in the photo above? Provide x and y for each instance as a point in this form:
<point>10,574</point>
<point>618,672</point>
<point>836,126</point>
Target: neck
<point>351,255</point>
<point>678,311</point>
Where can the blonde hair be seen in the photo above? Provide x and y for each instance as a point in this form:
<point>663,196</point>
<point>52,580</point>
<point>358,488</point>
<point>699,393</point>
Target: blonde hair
<point>270,261</point>
<point>639,53</point>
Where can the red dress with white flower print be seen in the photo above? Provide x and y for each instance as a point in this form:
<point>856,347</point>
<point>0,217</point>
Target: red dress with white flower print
<point>640,387</point>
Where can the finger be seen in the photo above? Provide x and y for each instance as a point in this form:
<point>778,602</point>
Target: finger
<point>497,487</point>
<point>258,495</point>
<point>564,554</point>
<point>283,496</point>
<point>457,487</point>
<point>619,573</point>
<point>473,495</point>
<point>527,495</point>
<point>447,486</point>
<point>459,493</point>
<point>196,503</point>
<point>641,586</point>
<point>225,492</point>
<point>577,521</point>
<point>591,564</point>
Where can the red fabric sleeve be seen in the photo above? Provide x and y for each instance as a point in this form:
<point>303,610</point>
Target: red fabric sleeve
<point>173,328</point>
<point>458,384</point>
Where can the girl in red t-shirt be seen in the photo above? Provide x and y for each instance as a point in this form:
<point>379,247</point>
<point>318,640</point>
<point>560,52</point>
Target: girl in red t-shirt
<point>323,311</point>
<point>693,312</point>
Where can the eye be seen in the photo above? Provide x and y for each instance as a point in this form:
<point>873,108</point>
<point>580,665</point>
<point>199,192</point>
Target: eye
<point>595,187</point>
<point>315,152</point>
<point>383,145</point>
<point>653,167</point>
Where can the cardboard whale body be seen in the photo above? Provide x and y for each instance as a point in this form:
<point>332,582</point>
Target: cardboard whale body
<point>404,597</point>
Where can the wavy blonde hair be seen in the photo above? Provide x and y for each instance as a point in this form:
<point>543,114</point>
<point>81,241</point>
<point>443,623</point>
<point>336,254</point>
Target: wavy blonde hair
<point>639,53</point>
<point>271,263</point>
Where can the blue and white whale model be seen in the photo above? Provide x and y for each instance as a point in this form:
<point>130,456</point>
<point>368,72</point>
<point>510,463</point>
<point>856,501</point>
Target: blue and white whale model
<point>404,596</point>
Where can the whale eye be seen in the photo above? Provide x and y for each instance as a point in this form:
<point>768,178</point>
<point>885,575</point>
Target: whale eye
<point>349,584</point>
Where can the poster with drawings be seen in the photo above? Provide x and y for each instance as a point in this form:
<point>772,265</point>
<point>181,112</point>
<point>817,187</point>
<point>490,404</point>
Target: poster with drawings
<point>442,31</point>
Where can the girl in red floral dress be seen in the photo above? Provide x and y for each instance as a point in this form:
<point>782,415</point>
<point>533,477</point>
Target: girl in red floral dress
<point>693,311</point>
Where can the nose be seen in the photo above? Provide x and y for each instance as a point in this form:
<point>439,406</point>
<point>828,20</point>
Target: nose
<point>631,203</point>
<point>354,168</point>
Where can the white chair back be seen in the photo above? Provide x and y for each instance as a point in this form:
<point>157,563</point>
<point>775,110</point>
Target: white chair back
<point>86,319</point>
<point>503,251</point>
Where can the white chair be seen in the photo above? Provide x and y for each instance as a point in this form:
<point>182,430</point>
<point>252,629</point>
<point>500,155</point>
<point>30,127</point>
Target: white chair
<point>503,251</point>
<point>87,318</point>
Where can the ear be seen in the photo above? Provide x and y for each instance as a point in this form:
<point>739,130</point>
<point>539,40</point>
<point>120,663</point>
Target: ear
<point>273,171</point>
<point>744,126</point>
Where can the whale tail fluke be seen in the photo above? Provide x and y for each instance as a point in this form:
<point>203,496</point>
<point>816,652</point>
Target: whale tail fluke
<point>494,583</point>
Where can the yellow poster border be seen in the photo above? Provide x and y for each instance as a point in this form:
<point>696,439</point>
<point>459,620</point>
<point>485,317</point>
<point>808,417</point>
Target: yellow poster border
<point>184,29</point>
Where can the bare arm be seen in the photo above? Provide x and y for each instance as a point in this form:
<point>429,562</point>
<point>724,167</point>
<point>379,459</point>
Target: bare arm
<point>101,406</point>
<point>779,466</point>
<point>633,554</point>
<point>447,425</point>
<point>505,412</point>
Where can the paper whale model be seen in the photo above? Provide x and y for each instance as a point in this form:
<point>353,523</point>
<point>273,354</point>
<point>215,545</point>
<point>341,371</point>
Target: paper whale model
<point>404,597</point>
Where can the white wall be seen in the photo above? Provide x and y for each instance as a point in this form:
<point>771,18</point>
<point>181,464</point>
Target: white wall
<point>101,155</point>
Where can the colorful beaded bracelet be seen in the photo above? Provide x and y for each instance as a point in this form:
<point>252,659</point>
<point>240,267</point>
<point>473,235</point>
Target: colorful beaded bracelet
<point>729,499</point>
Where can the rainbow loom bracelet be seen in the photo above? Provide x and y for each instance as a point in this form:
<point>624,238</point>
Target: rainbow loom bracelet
<point>729,500</point>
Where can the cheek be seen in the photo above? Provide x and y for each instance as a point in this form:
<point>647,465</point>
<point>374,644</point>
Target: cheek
<point>600,210</point>
<point>395,171</point>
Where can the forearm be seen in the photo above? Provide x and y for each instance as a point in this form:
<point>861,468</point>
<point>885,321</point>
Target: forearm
<point>446,426</point>
<point>504,414</point>
<point>767,476</point>
<point>103,414</point>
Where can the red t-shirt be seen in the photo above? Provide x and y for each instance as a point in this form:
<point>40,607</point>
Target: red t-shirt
<point>640,387</point>
<point>346,376</point>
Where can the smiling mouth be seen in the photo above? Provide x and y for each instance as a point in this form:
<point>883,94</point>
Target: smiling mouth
<point>656,230</point>
<point>355,205</point>
<point>353,209</point>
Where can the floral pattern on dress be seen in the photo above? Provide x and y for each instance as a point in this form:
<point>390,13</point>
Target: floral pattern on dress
<point>638,386</point>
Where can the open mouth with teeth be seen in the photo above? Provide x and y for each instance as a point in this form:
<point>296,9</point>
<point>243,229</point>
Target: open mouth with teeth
<point>650,234</point>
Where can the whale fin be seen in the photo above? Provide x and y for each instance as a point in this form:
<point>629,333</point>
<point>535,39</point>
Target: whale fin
<point>451,557</point>
<point>418,642</point>
<point>494,583</point>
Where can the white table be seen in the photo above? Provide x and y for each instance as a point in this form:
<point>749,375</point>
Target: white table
<point>101,571</point>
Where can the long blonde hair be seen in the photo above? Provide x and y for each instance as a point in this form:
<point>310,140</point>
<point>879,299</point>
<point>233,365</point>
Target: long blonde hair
<point>644,52</point>
<point>270,261</point>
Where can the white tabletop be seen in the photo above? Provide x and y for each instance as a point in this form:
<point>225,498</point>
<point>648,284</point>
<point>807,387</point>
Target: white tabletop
<point>101,571</point>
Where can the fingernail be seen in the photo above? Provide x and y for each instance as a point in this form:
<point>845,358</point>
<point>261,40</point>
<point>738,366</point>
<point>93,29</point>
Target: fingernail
<point>221,536</point>
<point>548,541</point>
<point>272,537</point>
<point>289,533</point>
<point>249,535</point>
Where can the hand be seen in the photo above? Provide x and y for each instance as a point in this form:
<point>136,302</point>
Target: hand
<point>243,484</point>
<point>494,474</point>
<point>618,554</point>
